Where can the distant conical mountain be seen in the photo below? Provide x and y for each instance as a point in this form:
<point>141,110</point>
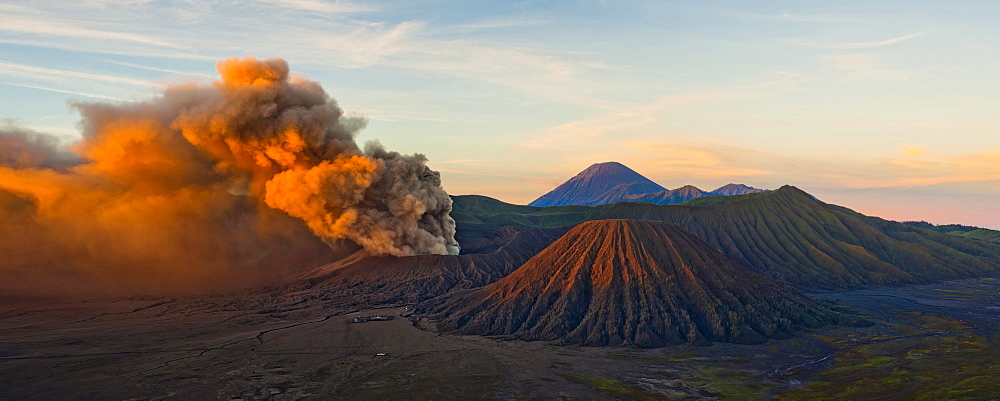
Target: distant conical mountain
<point>622,282</point>
<point>612,182</point>
<point>599,184</point>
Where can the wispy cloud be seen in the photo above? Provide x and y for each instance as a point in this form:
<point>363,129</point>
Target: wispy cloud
<point>159,69</point>
<point>322,6</point>
<point>365,46</point>
<point>68,92</point>
<point>310,33</point>
<point>491,174</point>
<point>922,167</point>
<point>784,15</point>
<point>467,162</point>
<point>672,161</point>
<point>865,64</point>
<point>68,76</point>
<point>788,16</point>
<point>625,119</point>
<point>784,78</point>
<point>391,115</point>
<point>51,27</point>
<point>97,48</point>
<point>501,22</point>
<point>856,45</point>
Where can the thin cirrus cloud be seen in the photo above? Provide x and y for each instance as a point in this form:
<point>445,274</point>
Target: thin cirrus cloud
<point>68,92</point>
<point>784,15</point>
<point>855,45</point>
<point>50,27</point>
<point>319,6</point>
<point>390,115</point>
<point>322,36</point>
<point>501,22</point>
<point>865,64</point>
<point>158,69</point>
<point>68,76</point>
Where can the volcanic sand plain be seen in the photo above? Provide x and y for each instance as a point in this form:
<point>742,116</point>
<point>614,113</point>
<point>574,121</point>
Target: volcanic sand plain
<point>924,342</point>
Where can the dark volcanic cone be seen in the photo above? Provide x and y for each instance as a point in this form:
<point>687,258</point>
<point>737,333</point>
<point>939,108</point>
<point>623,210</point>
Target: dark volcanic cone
<point>624,282</point>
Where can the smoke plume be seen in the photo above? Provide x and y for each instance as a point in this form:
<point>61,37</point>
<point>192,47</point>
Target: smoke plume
<point>207,182</point>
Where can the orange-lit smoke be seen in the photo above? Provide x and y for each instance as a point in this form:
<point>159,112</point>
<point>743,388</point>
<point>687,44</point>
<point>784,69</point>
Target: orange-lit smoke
<point>208,183</point>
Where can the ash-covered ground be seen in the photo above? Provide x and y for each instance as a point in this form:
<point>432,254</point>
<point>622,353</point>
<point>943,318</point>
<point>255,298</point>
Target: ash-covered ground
<point>925,342</point>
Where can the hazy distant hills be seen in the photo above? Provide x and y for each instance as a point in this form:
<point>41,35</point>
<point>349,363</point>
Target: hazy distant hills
<point>624,282</point>
<point>612,182</point>
<point>785,234</point>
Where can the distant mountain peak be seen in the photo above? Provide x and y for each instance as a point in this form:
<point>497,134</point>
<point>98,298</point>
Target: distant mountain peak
<point>689,188</point>
<point>598,184</point>
<point>608,169</point>
<point>734,189</point>
<point>613,182</point>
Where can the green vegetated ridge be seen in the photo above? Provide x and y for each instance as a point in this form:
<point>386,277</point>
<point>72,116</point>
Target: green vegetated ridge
<point>720,200</point>
<point>785,234</point>
<point>958,230</point>
<point>478,216</point>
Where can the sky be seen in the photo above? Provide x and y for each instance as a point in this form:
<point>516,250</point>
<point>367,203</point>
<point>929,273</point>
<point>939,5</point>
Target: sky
<point>885,107</point>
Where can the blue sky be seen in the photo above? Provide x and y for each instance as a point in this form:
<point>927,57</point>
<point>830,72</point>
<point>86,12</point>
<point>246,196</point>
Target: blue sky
<point>886,107</point>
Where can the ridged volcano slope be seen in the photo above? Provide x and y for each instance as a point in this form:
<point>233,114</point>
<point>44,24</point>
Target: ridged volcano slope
<point>621,282</point>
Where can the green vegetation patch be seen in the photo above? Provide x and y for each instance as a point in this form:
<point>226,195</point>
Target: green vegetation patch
<point>977,233</point>
<point>926,357</point>
<point>613,388</point>
<point>731,384</point>
<point>479,215</point>
<point>721,200</point>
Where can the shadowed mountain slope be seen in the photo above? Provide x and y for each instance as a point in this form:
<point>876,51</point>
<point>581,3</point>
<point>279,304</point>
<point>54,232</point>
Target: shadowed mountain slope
<point>788,235</point>
<point>370,280</point>
<point>621,282</point>
<point>598,184</point>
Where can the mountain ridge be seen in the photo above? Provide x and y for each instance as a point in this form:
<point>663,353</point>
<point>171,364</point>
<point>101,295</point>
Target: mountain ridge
<point>613,182</point>
<point>785,234</point>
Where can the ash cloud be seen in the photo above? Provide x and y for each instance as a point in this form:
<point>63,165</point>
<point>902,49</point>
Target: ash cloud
<point>21,148</point>
<point>242,178</point>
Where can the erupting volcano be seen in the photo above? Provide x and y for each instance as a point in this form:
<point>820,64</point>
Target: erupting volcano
<point>197,186</point>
